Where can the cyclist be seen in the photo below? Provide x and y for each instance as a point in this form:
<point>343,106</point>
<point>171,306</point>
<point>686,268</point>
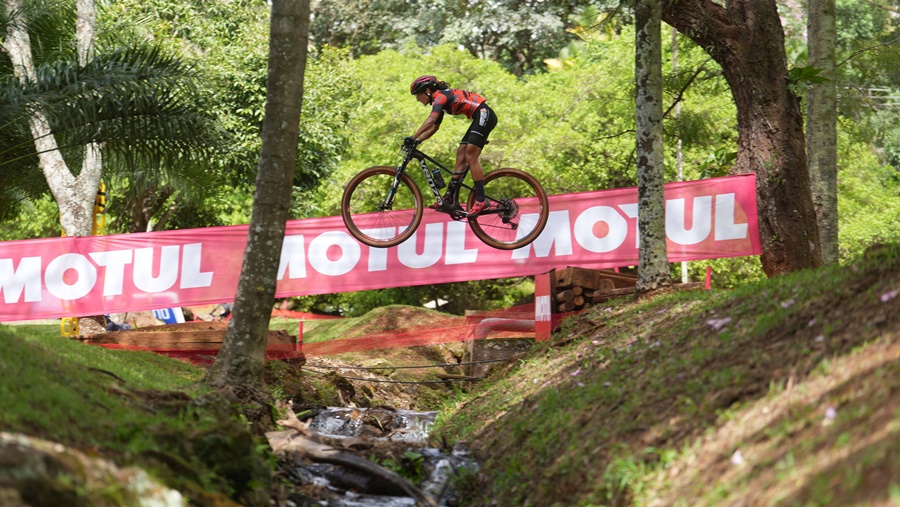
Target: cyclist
<point>438,94</point>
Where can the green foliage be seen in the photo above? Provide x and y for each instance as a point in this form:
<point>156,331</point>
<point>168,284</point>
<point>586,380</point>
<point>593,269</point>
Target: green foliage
<point>718,162</point>
<point>869,202</point>
<point>410,465</point>
<point>143,408</point>
<point>516,35</point>
<point>38,218</point>
<point>571,125</point>
<point>799,78</point>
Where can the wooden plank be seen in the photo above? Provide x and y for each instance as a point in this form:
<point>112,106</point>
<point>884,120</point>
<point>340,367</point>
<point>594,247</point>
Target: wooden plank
<point>592,279</point>
<point>600,296</point>
<point>186,339</point>
<point>619,280</point>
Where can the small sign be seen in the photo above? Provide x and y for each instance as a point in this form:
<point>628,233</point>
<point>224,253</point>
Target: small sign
<point>170,315</point>
<point>543,312</point>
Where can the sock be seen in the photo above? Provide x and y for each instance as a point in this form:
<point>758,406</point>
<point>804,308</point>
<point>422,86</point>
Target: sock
<point>479,190</point>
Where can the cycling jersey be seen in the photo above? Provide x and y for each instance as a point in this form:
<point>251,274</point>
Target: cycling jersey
<point>455,102</point>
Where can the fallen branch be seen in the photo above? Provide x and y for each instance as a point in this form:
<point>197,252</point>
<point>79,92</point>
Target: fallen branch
<point>284,442</point>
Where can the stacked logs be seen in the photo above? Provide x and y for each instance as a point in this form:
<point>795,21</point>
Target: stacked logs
<point>573,288</point>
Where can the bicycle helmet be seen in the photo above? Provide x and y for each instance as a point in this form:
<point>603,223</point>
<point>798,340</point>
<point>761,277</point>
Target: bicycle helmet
<point>421,83</point>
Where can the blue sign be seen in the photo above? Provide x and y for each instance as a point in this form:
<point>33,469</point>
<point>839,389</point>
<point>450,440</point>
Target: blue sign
<point>169,315</point>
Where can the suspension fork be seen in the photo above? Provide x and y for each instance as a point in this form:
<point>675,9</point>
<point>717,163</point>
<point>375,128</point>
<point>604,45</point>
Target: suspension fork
<point>388,202</point>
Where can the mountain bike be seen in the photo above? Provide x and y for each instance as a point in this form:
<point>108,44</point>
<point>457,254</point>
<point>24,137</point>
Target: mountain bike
<point>382,206</point>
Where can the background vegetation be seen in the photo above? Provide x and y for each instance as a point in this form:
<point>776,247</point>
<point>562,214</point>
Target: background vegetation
<point>559,76</point>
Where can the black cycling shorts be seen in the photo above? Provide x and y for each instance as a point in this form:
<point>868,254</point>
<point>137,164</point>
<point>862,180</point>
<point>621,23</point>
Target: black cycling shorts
<point>483,122</point>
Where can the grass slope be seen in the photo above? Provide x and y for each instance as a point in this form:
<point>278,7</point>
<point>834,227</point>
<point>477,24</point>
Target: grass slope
<point>786,392</point>
<point>135,408</point>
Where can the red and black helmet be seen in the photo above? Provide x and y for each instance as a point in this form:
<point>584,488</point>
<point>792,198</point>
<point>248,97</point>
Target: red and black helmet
<point>421,83</point>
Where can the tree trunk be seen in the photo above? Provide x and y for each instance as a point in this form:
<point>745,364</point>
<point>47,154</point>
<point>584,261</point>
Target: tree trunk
<point>821,129</point>
<point>653,264</point>
<point>747,40</point>
<point>242,357</point>
<point>74,195</point>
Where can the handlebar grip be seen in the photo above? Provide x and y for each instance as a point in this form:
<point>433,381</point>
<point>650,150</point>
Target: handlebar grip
<point>410,143</point>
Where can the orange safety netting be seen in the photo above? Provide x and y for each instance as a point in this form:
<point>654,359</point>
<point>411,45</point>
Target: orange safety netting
<point>443,330</point>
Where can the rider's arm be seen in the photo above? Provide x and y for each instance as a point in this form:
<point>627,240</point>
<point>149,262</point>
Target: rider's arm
<point>428,128</point>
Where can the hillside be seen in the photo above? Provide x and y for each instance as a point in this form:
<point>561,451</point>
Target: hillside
<point>785,392</point>
<point>781,393</point>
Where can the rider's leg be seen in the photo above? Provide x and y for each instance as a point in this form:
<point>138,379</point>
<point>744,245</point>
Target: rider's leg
<point>472,155</point>
<point>460,165</point>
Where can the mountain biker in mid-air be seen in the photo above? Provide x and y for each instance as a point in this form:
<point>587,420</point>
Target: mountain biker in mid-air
<point>438,94</point>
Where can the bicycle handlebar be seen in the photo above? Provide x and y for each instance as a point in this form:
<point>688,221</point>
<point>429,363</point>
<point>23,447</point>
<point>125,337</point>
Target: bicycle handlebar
<point>409,144</point>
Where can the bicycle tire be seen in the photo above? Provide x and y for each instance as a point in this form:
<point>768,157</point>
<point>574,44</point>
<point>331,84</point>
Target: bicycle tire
<point>518,213</point>
<point>364,214</point>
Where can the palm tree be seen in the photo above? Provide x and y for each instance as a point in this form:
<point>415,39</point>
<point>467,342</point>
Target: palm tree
<point>136,106</point>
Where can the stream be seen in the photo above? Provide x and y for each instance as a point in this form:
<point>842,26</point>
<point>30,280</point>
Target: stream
<point>394,439</point>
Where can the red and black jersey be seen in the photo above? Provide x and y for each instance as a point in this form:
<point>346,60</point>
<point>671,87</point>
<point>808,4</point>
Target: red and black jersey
<point>455,102</point>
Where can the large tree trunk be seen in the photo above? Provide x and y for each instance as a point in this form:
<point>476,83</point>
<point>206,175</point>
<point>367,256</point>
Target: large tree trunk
<point>241,360</point>
<point>653,265</point>
<point>747,40</point>
<point>821,129</point>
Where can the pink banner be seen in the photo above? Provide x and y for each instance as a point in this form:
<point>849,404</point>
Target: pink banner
<point>75,276</point>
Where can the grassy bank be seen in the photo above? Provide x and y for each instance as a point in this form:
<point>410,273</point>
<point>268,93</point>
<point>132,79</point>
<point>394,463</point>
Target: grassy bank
<point>786,392</point>
<point>134,408</point>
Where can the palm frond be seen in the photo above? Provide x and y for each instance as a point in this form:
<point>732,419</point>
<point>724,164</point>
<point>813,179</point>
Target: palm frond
<point>137,101</point>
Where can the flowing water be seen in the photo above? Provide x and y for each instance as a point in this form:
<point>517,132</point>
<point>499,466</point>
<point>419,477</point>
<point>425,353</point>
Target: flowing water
<point>403,431</point>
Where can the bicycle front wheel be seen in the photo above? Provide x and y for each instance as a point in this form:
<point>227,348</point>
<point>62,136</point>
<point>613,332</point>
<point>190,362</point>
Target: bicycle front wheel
<point>518,210</point>
<point>375,217</point>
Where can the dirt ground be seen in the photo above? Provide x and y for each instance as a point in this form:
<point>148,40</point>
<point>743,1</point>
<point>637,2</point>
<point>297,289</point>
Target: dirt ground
<point>383,377</point>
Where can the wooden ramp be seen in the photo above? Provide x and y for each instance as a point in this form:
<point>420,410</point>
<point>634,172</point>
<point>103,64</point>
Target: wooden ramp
<point>198,338</point>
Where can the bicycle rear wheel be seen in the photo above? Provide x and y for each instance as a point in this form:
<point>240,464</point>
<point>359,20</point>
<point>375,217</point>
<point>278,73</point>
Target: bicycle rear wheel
<point>518,210</point>
<point>368,216</point>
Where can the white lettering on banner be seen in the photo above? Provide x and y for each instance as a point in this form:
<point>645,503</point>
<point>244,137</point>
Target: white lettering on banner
<point>114,275</point>
<point>542,310</point>
<point>191,277</point>
<point>26,278</point>
<point>676,220</point>
<point>409,257</point>
<point>725,226</point>
<point>293,257</point>
<point>54,276</point>
<point>377,259</point>
<point>318,253</point>
<point>143,269</point>
<point>456,245</point>
<point>556,233</point>
<point>584,229</point>
<point>631,211</point>
<point>160,265</point>
<point>378,256</point>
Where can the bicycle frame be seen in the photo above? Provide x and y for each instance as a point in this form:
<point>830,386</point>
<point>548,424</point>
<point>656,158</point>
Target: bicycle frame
<point>450,204</point>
